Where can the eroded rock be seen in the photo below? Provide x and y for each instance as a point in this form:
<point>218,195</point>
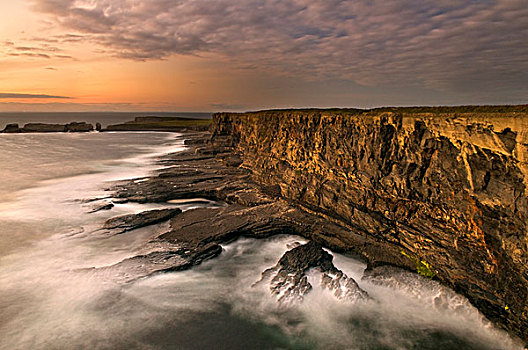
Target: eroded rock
<point>46,127</point>
<point>43,127</point>
<point>78,127</point>
<point>101,206</point>
<point>121,224</point>
<point>289,280</point>
<point>440,191</point>
<point>12,128</point>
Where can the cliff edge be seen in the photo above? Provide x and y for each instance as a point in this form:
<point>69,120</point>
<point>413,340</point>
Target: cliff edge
<point>440,193</point>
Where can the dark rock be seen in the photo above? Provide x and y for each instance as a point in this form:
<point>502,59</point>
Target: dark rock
<point>507,136</point>
<point>12,128</point>
<point>102,206</point>
<point>158,257</point>
<point>130,222</point>
<point>78,127</point>
<point>290,283</point>
<point>42,127</point>
<point>306,256</point>
<point>98,126</point>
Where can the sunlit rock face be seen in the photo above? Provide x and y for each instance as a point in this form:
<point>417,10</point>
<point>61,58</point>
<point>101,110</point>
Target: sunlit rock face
<point>441,193</point>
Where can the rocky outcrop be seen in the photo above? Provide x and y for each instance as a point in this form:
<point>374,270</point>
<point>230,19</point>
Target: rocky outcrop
<point>131,222</point>
<point>12,128</point>
<point>43,127</point>
<point>289,280</point>
<point>78,127</point>
<point>206,175</point>
<point>153,123</point>
<point>104,205</point>
<point>441,193</point>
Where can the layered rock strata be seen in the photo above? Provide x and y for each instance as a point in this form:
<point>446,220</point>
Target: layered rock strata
<point>186,239</point>
<point>443,194</point>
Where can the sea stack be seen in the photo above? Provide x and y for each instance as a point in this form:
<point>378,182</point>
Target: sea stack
<point>12,128</point>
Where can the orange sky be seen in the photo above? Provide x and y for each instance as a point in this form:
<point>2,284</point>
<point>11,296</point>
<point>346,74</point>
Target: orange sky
<point>95,80</point>
<point>200,55</point>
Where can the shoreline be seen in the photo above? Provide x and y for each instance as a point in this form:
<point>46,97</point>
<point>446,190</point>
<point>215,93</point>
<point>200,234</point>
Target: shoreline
<point>212,171</point>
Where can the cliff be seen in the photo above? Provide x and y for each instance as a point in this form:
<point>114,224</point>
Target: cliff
<point>168,124</point>
<point>441,193</point>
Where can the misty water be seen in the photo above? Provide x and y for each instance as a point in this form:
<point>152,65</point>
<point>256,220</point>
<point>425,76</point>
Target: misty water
<point>48,300</point>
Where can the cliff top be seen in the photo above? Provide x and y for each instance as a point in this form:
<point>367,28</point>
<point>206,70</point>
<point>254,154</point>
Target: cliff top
<point>435,110</point>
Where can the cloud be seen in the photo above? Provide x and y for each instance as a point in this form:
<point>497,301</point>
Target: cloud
<point>29,54</point>
<point>40,49</point>
<point>30,96</point>
<point>68,107</point>
<point>449,45</point>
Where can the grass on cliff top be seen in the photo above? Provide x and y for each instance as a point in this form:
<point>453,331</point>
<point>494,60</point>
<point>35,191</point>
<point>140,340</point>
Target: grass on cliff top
<point>170,121</point>
<point>499,109</point>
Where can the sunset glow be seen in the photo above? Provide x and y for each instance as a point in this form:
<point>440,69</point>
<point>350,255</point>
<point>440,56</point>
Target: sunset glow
<point>238,55</point>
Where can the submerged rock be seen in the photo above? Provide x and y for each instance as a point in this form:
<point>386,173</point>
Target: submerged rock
<point>101,206</point>
<point>133,221</point>
<point>165,258</point>
<point>156,257</point>
<point>290,282</point>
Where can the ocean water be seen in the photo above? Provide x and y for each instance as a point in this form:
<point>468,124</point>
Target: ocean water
<point>49,301</point>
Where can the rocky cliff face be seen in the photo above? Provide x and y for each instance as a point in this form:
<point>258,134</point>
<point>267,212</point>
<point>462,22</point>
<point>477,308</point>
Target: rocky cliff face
<point>443,194</point>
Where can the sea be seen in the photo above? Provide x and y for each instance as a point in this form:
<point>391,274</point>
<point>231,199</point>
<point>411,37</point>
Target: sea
<point>49,239</point>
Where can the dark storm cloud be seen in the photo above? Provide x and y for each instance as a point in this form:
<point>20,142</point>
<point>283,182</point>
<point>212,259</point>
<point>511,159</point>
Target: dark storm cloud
<point>452,45</point>
<point>26,96</point>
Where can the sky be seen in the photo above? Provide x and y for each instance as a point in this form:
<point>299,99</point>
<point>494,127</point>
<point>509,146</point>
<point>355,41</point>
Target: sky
<point>235,55</point>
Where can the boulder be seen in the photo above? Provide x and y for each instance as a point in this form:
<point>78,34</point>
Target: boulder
<point>289,281</point>
<point>12,128</point>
